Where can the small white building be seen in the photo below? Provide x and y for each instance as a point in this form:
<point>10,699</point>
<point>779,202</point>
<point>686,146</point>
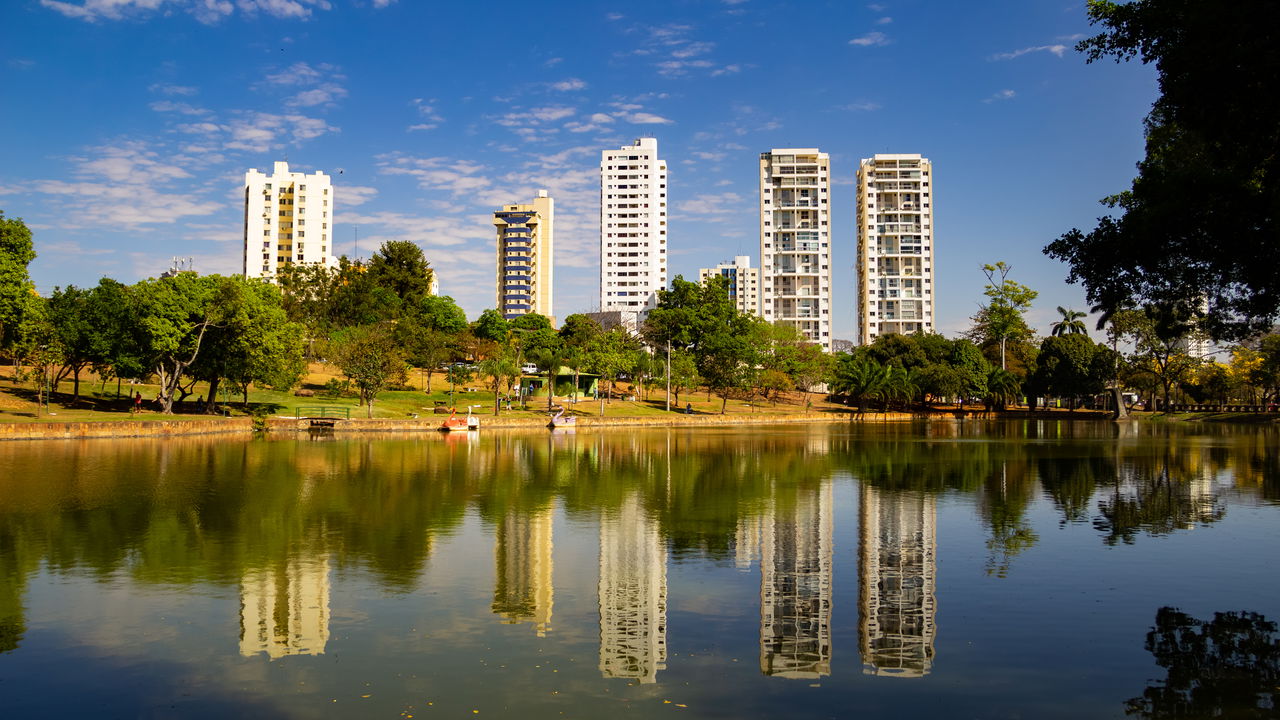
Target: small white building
<point>744,282</point>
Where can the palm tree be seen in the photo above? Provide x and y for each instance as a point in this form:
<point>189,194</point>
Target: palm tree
<point>548,362</point>
<point>1071,322</point>
<point>860,378</point>
<point>498,366</point>
<point>1002,387</point>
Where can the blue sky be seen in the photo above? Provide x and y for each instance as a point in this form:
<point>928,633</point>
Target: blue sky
<point>129,124</point>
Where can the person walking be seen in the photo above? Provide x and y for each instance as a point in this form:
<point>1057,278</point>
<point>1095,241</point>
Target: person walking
<point>137,404</point>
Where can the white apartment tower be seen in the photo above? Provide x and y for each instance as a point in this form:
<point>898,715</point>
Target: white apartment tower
<point>795,241</point>
<point>288,218</point>
<point>633,227</point>
<point>744,282</point>
<point>895,246</point>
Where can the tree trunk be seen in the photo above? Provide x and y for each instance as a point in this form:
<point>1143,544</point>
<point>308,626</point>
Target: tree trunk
<point>211,402</point>
<point>724,402</point>
<point>75,385</point>
<point>429,374</point>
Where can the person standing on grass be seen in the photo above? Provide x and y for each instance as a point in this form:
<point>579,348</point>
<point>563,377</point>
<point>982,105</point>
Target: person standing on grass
<point>137,403</point>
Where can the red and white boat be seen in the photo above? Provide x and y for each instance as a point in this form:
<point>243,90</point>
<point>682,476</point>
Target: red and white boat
<point>467,422</point>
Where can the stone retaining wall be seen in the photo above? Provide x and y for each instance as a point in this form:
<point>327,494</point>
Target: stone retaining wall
<point>163,428</point>
<point>122,428</point>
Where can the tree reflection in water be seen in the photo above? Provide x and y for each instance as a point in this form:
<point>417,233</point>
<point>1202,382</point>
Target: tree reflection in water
<point>1227,667</point>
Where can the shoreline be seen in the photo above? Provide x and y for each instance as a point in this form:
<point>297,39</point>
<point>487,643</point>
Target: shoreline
<point>431,423</point>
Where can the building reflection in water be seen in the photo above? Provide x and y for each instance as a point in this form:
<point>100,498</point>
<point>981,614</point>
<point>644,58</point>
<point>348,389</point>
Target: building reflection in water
<point>523,590</point>
<point>898,568</point>
<point>795,584</point>
<point>632,594</point>
<point>284,610</point>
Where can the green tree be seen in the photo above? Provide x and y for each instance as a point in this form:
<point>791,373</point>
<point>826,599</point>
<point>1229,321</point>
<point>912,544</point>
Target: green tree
<point>491,326</point>
<point>370,357</point>
<point>1072,322</point>
<point>80,337</point>
<point>400,267</point>
<point>250,341</point>
<point>171,317</point>
<point>548,361</point>
<point>859,378</point>
<point>1199,223</point>
<point>16,253</point>
<point>498,366</point>
<point>1159,337</point>
<point>1002,319</point>
<point>577,330</point>
<point>1072,366</point>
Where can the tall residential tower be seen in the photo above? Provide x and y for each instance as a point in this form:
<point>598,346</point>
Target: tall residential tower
<point>288,219</point>
<point>633,227</point>
<point>895,246</point>
<point>526,242</point>
<point>795,241</point>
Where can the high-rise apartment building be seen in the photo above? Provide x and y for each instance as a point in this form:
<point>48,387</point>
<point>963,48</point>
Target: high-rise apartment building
<point>526,245</point>
<point>795,241</point>
<point>744,282</point>
<point>895,246</point>
<point>632,593</point>
<point>633,227</point>
<point>796,584</point>
<point>288,219</point>
<point>284,609</point>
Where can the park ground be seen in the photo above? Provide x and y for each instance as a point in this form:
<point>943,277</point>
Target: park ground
<point>101,401</point>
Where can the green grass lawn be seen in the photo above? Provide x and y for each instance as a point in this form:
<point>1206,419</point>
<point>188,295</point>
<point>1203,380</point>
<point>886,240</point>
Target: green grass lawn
<point>100,402</point>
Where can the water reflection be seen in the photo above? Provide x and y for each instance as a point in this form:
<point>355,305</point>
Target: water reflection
<point>284,610</point>
<point>523,591</point>
<point>282,522</point>
<point>632,594</point>
<point>1225,667</point>
<point>796,583</point>
<point>897,563</point>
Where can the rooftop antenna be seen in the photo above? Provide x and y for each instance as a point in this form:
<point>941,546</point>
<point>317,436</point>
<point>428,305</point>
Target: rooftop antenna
<point>356,251</point>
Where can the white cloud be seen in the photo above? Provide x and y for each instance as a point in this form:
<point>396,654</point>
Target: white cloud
<point>259,132</point>
<point>301,73</point>
<point>356,194</point>
<point>884,20</point>
<point>205,11</point>
<point>382,3</point>
<point>427,111</point>
<point>861,106</point>
<point>644,118</point>
<point>871,39</point>
<point>178,107</point>
<point>165,89</point>
<point>1002,95</point>
<point>325,94</point>
<point>712,156</point>
<point>569,84</point>
<point>614,17</point>
<point>877,7</point>
<point>710,204</point>
<point>22,63</point>
<point>726,70</point>
<point>124,185</point>
<point>70,248</point>
<point>550,114</point>
<point>1057,50</point>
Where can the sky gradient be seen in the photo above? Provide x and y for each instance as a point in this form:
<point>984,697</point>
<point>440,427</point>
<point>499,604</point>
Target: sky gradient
<point>129,125</point>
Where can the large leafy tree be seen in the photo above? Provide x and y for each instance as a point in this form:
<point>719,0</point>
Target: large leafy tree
<point>171,317</point>
<point>16,253</point>
<point>400,267</point>
<point>370,356</point>
<point>251,340</point>
<point>1072,366</point>
<point>1201,223</point>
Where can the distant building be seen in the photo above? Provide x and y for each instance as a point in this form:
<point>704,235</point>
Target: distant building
<point>744,282</point>
<point>610,319</point>
<point>288,219</point>
<point>795,241</point>
<point>895,247</point>
<point>633,227</point>
<point>526,247</point>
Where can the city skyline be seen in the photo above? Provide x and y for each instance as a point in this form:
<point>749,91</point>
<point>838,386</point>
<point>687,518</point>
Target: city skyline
<point>424,150</point>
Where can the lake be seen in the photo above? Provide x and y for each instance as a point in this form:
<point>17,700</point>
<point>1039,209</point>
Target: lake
<point>968,569</point>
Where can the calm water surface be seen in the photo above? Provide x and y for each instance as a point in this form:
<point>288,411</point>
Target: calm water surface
<point>984,570</point>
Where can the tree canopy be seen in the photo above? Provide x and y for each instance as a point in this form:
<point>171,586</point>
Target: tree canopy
<point>1199,225</point>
